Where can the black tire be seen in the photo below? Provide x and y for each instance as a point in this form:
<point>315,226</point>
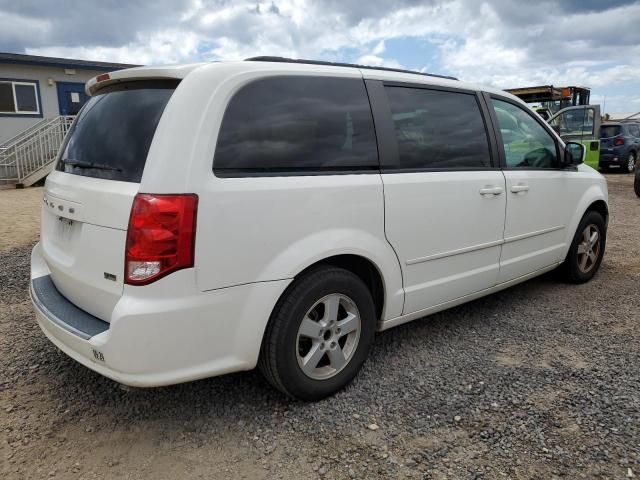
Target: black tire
<point>636,181</point>
<point>570,269</point>
<point>279,353</point>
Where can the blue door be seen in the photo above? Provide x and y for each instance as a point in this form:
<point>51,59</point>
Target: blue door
<point>71,97</point>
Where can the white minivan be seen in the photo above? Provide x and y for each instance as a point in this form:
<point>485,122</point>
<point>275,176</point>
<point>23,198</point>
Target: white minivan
<point>204,219</point>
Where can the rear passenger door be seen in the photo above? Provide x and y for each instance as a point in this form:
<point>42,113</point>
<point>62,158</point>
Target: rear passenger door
<point>444,197</point>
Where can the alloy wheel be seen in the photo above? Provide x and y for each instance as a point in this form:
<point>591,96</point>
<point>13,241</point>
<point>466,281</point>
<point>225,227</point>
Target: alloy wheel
<point>328,336</point>
<point>589,248</point>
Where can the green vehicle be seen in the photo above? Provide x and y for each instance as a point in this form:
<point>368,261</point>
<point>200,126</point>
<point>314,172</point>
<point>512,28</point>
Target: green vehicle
<point>580,124</point>
<point>574,119</point>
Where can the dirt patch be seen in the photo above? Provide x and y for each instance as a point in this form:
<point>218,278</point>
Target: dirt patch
<point>20,214</point>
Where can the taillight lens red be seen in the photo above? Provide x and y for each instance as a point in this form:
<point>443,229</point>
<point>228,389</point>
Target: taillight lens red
<point>161,236</point>
<point>618,141</point>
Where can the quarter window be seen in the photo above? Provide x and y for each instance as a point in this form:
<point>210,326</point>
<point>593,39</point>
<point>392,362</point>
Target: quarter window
<point>634,130</point>
<point>297,124</point>
<point>437,129</point>
<point>526,143</point>
<point>18,98</point>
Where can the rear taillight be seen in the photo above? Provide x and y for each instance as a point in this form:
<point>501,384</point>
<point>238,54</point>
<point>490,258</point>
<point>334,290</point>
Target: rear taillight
<point>161,236</point>
<point>618,141</point>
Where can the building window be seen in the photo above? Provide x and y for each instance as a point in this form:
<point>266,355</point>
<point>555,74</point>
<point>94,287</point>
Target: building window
<point>19,98</point>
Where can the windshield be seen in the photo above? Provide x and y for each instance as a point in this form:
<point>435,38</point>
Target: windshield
<point>112,134</point>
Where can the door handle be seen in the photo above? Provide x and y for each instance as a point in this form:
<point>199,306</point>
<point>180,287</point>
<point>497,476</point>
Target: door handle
<point>491,190</point>
<point>519,188</point>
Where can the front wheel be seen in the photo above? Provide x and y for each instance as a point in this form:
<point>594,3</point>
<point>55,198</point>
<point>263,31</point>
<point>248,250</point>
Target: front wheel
<point>319,334</point>
<point>586,250</point>
<point>636,182</point>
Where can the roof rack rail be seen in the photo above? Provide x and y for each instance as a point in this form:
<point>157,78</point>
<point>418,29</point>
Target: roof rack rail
<point>267,58</point>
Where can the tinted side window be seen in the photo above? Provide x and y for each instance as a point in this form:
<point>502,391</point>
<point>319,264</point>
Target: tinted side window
<point>297,124</point>
<point>526,143</point>
<point>437,129</point>
<point>634,129</point>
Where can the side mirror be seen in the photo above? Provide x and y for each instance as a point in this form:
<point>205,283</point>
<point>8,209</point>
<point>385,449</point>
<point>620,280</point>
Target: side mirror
<point>574,153</point>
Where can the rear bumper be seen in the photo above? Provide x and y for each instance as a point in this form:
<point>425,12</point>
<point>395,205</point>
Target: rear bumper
<point>51,304</point>
<point>160,334</point>
<point>613,160</point>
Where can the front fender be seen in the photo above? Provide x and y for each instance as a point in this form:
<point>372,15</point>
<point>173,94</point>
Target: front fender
<point>593,194</point>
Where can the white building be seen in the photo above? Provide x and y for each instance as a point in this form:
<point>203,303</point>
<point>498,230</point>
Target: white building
<point>33,88</point>
<point>39,96</point>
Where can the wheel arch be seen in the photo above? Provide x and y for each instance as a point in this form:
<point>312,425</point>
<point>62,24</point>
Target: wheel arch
<point>601,207</point>
<point>594,199</point>
<point>362,267</point>
<point>359,251</point>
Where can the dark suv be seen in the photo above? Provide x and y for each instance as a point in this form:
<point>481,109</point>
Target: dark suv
<point>619,146</point>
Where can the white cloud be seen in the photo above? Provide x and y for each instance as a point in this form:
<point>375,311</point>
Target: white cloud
<point>379,48</point>
<point>14,26</point>
<point>375,61</point>
<point>172,46</point>
<point>504,43</point>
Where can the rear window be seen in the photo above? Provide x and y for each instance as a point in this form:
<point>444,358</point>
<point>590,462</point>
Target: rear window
<point>111,137</point>
<point>607,131</point>
<point>296,125</point>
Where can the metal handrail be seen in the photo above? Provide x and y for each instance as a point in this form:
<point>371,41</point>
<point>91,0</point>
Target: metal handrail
<point>33,150</point>
<point>20,136</point>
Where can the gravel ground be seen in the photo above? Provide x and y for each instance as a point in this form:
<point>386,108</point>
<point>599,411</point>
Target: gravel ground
<point>540,381</point>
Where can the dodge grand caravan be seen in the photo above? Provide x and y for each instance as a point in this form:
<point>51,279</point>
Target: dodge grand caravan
<point>210,218</point>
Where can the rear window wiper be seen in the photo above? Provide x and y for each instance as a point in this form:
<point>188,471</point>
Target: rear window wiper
<point>96,166</point>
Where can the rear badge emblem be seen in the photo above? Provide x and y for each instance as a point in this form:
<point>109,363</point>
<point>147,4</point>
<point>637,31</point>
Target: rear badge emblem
<point>110,276</point>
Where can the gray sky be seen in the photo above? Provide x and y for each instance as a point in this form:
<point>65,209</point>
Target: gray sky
<point>504,43</point>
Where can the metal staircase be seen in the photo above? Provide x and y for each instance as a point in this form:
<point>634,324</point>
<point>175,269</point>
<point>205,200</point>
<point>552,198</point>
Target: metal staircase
<point>30,155</point>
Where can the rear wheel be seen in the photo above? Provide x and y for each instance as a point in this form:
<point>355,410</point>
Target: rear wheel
<point>586,250</point>
<point>631,162</point>
<point>319,334</point>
